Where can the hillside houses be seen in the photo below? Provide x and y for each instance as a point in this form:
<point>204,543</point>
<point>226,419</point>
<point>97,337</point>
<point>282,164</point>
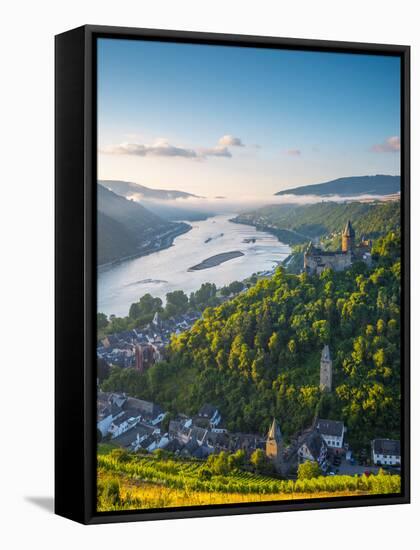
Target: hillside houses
<point>138,425</point>
<point>143,346</point>
<point>118,413</point>
<point>135,424</point>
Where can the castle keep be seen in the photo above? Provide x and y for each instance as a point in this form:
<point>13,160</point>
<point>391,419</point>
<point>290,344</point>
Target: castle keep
<point>316,260</point>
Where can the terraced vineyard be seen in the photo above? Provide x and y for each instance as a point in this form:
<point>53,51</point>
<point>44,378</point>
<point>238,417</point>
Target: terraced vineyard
<point>130,481</point>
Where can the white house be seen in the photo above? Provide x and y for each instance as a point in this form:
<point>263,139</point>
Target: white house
<point>123,424</point>
<point>105,422</point>
<point>313,449</point>
<point>210,413</point>
<point>109,408</point>
<point>386,452</point>
<point>332,432</point>
<point>149,412</point>
<point>158,418</point>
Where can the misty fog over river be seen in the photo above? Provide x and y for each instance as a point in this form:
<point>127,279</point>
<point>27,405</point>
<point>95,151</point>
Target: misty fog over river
<point>122,284</point>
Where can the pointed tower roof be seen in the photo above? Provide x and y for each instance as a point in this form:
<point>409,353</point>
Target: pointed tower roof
<point>348,231</point>
<point>274,432</point>
<point>325,355</point>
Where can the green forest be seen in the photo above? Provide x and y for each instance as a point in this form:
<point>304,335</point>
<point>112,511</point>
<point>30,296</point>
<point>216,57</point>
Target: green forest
<point>257,355</point>
<point>299,224</point>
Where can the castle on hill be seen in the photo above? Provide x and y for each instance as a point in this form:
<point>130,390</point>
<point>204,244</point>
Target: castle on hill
<point>316,260</point>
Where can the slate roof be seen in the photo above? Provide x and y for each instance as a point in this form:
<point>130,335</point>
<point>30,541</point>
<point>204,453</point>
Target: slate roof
<point>207,411</point>
<point>174,427</point>
<point>147,442</point>
<point>127,438</point>
<point>314,443</point>
<point>125,417</point>
<point>145,408</point>
<point>386,447</point>
<point>202,452</point>
<point>173,446</point>
<point>191,446</point>
<point>331,427</point>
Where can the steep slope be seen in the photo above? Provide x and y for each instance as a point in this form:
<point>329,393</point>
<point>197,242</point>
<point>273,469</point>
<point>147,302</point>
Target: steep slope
<point>125,228</point>
<point>128,213</point>
<point>114,240</point>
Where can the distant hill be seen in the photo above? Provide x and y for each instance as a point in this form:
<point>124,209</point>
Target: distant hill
<point>129,189</point>
<point>299,224</point>
<point>114,240</point>
<point>358,185</point>
<point>125,228</point>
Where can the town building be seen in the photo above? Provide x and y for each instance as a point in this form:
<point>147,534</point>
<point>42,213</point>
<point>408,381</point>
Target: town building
<point>123,423</point>
<point>386,452</point>
<point>109,408</point>
<point>314,449</point>
<point>211,414</point>
<point>332,432</point>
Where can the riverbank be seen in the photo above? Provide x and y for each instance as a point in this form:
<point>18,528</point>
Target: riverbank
<point>286,236</point>
<point>218,259</point>
<point>161,242</point>
<point>122,284</point>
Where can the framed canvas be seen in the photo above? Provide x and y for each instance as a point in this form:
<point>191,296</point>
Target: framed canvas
<point>232,274</point>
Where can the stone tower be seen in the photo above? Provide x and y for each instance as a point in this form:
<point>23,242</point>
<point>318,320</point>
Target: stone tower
<point>274,445</point>
<point>325,374</point>
<point>347,238</point>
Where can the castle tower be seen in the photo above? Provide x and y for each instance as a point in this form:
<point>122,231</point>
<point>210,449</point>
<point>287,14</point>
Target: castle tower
<point>157,321</point>
<point>139,358</point>
<point>274,444</point>
<point>347,238</point>
<point>325,375</point>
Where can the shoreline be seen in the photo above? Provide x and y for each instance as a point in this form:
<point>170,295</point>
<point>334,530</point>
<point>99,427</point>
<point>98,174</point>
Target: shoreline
<point>168,241</point>
<point>216,260</point>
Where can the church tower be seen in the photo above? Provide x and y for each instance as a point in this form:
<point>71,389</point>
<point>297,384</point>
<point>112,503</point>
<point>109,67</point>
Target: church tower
<point>347,238</point>
<point>274,444</point>
<point>325,375</point>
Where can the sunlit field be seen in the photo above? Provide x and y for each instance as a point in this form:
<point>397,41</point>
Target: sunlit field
<point>129,481</point>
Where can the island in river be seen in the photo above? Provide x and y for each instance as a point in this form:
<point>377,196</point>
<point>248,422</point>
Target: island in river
<point>216,260</point>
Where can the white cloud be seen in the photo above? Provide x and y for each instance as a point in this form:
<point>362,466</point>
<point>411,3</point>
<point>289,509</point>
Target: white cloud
<point>390,145</point>
<point>217,151</point>
<point>162,148</point>
<point>293,152</point>
<point>230,141</point>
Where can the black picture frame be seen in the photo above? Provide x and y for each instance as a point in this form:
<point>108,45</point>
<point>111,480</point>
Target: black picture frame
<point>75,271</point>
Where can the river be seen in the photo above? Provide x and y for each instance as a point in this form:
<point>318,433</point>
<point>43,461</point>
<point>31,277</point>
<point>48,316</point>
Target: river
<point>122,284</point>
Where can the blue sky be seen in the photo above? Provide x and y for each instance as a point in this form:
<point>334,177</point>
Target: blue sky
<point>222,120</point>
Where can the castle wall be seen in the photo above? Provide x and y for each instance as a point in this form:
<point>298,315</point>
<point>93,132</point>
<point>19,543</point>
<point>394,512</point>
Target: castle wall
<point>317,263</point>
